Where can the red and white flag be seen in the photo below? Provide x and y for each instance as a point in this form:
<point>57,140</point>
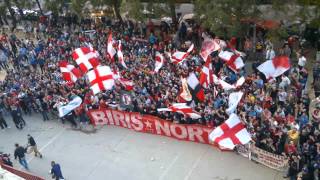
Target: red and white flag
<point>208,46</point>
<point>231,133</point>
<point>185,95</point>
<point>275,67</point>
<point>116,74</point>
<point>110,49</point>
<point>69,72</point>
<point>178,56</point>
<point>183,109</point>
<point>234,99</point>
<point>226,86</point>
<point>100,78</point>
<point>120,55</point>
<point>86,58</point>
<point>159,62</point>
<point>195,87</point>
<point>128,84</point>
<point>233,61</point>
<point>206,75</point>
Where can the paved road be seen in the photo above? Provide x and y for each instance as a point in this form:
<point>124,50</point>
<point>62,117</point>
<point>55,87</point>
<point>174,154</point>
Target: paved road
<point>117,153</point>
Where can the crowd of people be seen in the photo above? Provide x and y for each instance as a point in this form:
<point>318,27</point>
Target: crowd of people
<point>275,112</point>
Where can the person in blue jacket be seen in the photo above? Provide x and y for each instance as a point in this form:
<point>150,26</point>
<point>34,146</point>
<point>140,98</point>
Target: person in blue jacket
<point>56,171</point>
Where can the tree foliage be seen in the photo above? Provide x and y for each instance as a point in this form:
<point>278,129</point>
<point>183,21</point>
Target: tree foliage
<point>55,6</point>
<point>226,17</point>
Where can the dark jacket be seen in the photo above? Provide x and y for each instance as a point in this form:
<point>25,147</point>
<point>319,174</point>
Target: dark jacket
<point>31,141</point>
<point>19,152</point>
<point>56,172</point>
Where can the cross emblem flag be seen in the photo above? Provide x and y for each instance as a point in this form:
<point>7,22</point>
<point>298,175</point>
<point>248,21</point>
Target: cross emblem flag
<point>86,58</point>
<point>231,133</point>
<point>100,78</point>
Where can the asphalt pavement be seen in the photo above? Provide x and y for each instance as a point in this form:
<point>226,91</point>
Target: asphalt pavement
<point>116,153</point>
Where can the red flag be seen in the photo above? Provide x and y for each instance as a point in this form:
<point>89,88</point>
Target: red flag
<point>110,49</point>
<point>195,87</point>
<point>206,75</point>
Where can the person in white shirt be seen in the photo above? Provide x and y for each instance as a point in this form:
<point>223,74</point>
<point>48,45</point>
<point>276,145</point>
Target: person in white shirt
<point>270,54</point>
<point>301,60</point>
<point>285,82</point>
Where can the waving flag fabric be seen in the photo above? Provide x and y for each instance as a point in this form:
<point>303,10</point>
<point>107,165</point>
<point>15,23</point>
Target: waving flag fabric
<point>101,78</point>
<point>73,104</point>
<point>226,86</point>
<point>69,72</point>
<point>195,87</point>
<point>206,75</point>
<point>128,84</point>
<point>86,58</point>
<point>275,67</point>
<point>234,99</point>
<point>120,55</point>
<point>233,61</point>
<point>159,61</point>
<point>110,49</point>
<point>231,133</point>
<point>183,109</point>
<point>185,95</point>
<point>208,46</point>
<point>178,56</point>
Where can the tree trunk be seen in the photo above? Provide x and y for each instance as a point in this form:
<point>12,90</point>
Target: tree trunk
<point>116,9</point>
<point>173,12</point>
<point>39,5</point>
<point>1,22</point>
<point>14,20</point>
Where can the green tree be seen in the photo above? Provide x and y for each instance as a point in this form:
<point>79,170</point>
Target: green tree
<point>12,14</point>
<point>133,9</point>
<point>77,6</point>
<point>115,4</point>
<point>225,17</point>
<point>39,6</point>
<point>55,6</point>
<point>150,9</point>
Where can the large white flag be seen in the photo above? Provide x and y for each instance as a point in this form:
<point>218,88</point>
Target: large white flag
<point>234,99</point>
<point>64,110</point>
<point>231,133</point>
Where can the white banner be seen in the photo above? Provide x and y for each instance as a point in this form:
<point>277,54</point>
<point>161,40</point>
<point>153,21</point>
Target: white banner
<point>64,110</point>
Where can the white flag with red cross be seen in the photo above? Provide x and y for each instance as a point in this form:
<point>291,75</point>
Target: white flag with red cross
<point>178,57</point>
<point>100,78</point>
<point>233,61</point>
<point>231,133</point>
<point>69,72</point>
<point>86,58</point>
